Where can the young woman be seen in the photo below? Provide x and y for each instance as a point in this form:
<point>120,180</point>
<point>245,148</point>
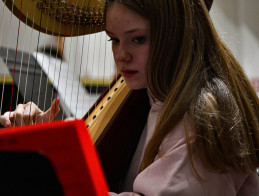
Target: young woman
<point>202,132</point>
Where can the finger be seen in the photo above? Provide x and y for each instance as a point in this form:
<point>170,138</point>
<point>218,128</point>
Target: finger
<point>69,119</point>
<point>4,120</point>
<point>18,115</point>
<point>54,109</point>
<point>50,114</point>
<point>31,111</point>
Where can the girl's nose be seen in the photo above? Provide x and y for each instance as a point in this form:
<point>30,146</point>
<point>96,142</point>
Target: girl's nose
<point>123,54</point>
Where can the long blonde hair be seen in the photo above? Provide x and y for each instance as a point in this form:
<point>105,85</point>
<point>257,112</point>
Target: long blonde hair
<point>199,80</point>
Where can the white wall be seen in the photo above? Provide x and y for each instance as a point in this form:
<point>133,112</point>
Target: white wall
<point>237,23</point>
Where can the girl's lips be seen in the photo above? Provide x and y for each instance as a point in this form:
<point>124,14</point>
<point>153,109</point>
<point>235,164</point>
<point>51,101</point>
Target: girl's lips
<point>128,73</point>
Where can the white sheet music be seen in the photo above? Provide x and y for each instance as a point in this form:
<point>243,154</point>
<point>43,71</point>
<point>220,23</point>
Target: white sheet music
<point>74,99</point>
<point>3,68</point>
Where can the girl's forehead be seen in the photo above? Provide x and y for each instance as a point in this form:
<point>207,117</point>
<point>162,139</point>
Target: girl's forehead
<point>118,16</point>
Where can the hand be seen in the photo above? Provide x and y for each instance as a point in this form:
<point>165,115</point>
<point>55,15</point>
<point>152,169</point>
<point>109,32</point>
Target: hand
<point>29,113</point>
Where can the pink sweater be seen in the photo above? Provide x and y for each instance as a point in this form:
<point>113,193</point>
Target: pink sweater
<point>171,173</point>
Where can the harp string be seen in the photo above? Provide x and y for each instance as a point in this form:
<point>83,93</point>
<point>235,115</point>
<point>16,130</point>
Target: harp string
<point>21,65</point>
<point>66,85</point>
<point>10,24</point>
<point>88,62</point>
<point>62,55</point>
<point>56,61</point>
<point>87,57</point>
<point>80,69</point>
<point>98,64</point>
<point>94,61</point>
<point>104,61</point>
<point>15,58</point>
<point>28,63</point>
<point>1,37</point>
<point>99,61</point>
<point>65,97</point>
<point>80,64</point>
<point>48,71</point>
<point>44,53</point>
<point>99,57</point>
<point>60,65</point>
<point>62,51</point>
<point>28,67</point>
<point>30,51</point>
<point>55,95</point>
<point>93,69</point>
<point>46,85</point>
<point>73,78</point>
<point>35,63</point>
<point>74,71</point>
<point>2,22</point>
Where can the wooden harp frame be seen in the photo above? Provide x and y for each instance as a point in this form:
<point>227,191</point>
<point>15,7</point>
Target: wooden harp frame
<point>116,130</point>
<point>60,17</point>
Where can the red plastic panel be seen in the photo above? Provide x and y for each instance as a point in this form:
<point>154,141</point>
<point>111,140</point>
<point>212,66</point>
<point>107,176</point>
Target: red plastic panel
<point>69,148</point>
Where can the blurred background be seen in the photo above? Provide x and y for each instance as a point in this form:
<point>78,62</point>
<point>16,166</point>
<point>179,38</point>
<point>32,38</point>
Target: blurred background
<point>237,24</point>
<point>88,59</point>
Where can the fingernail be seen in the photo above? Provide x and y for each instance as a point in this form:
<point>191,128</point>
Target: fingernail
<point>7,124</point>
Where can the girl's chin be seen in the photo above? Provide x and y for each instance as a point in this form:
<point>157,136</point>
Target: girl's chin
<point>135,86</point>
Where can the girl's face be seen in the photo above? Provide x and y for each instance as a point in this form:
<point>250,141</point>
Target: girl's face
<point>130,36</point>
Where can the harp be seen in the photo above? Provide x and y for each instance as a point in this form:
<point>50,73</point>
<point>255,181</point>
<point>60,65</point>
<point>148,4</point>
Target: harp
<point>114,120</point>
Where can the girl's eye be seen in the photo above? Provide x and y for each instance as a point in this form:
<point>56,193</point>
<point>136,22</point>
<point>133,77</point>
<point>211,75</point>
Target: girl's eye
<point>139,40</point>
<point>114,40</point>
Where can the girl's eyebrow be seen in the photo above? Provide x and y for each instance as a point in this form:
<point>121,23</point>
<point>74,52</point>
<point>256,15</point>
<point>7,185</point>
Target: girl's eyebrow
<point>128,32</point>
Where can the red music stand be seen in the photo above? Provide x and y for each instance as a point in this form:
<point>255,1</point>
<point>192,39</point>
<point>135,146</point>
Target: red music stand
<point>63,148</point>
